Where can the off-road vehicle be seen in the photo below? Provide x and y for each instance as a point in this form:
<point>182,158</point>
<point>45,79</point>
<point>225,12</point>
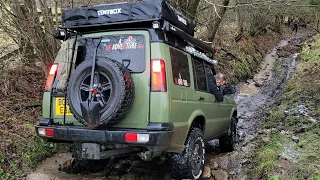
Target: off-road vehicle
<point>131,78</point>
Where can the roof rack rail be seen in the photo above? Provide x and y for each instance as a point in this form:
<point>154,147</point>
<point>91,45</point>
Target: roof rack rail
<point>198,48</point>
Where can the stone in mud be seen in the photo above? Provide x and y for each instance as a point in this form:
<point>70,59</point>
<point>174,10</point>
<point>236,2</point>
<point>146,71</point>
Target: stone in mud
<point>113,178</point>
<point>129,177</point>
<point>258,84</point>
<point>313,120</point>
<point>220,175</point>
<point>206,172</point>
<point>295,139</point>
<point>232,173</point>
<point>301,129</point>
<point>264,131</point>
<point>213,164</point>
<point>167,177</point>
<point>245,162</point>
<point>38,176</point>
<point>251,137</point>
<point>265,139</point>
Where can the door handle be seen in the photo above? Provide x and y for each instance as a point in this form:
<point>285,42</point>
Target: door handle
<point>201,98</point>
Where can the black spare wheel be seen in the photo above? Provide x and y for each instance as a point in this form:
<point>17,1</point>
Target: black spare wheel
<point>113,91</point>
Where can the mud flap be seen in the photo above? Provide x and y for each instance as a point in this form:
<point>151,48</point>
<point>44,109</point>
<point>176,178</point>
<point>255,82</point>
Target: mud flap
<point>90,151</point>
<point>91,113</point>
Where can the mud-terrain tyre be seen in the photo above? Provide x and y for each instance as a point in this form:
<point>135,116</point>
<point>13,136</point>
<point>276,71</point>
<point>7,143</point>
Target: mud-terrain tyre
<point>227,142</point>
<point>121,90</point>
<point>190,163</point>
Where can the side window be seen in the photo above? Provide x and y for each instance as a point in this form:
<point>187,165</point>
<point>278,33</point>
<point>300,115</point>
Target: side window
<point>200,75</point>
<point>208,70</point>
<point>180,68</point>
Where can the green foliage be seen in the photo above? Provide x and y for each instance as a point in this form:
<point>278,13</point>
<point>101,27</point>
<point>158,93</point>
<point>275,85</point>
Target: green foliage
<point>29,154</point>
<point>39,151</point>
<point>266,158</point>
<point>274,178</point>
<point>314,2</point>
<point>308,167</point>
<point>275,116</point>
<point>278,65</point>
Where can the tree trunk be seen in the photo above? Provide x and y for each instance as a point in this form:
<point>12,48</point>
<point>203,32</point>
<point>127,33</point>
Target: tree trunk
<point>239,22</point>
<point>188,8</point>
<point>318,22</point>
<point>221,11</point>
<point>192,8</point>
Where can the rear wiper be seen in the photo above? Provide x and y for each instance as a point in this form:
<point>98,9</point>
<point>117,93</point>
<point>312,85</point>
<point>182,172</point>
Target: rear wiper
<point>129,62</point>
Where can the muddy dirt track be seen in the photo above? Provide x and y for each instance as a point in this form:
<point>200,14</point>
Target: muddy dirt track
<point>253,97</point>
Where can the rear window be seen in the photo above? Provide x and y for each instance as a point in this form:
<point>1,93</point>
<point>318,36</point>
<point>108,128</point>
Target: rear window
<point>126,49</point>
<point>180,68</point>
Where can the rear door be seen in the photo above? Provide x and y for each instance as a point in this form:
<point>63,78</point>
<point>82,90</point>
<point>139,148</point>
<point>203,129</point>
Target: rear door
<point>132,48</point>
<point>183,101</point>
<point>210,108</point>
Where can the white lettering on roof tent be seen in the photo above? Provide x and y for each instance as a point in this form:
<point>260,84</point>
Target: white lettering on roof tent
<point>109,11</point>
<point>182,20</point>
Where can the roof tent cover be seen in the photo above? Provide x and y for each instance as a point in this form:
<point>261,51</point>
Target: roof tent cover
<point>126,12</point>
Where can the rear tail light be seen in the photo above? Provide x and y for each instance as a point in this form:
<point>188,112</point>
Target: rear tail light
<point>137,138</point>
<point>51,76</point>
<point>47,132</point>
<point>158,76</point>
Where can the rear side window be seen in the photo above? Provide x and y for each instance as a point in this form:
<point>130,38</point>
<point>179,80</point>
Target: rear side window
<point>126,49</point>
<point>208,70</point>
<point>180,68</point>
<point>200,75</point>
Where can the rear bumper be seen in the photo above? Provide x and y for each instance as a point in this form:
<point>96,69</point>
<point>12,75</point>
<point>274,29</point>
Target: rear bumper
<point>160,135</point>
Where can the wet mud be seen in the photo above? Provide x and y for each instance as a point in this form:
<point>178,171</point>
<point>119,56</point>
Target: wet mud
<point>253,98</point>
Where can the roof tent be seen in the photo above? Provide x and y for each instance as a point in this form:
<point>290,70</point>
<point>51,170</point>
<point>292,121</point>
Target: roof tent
<point>148,10</point>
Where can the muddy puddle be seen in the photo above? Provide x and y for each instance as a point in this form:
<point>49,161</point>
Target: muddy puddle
<point>253,97</point>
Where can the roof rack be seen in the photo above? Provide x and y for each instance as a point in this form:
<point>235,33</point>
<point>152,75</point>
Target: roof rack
<point>157,14</point>
<point>147,10</point>
<point>196,48</point>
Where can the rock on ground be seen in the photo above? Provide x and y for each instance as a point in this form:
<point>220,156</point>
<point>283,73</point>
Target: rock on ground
<point>220,175</point>
<point>206,172</point>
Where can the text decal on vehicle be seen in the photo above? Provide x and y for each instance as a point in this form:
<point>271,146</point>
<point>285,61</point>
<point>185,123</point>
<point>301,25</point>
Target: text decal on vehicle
<point>181,82</point>
<point>126,44</point>
<point>109,11</point>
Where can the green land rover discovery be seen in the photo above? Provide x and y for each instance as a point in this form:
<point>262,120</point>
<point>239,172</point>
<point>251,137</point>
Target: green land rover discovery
<point>135,82</point>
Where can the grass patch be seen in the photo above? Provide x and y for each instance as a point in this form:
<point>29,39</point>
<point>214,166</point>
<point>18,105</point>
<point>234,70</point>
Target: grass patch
<point>309,165</point>
<point>278,64</point>
<point>265,160</point>
<point>274,178</point>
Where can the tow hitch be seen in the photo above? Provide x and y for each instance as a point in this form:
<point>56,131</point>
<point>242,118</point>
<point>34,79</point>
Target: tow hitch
<point>91,109</point>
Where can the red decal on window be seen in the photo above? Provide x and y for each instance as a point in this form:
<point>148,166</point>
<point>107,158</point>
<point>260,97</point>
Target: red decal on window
<point>108,47</point>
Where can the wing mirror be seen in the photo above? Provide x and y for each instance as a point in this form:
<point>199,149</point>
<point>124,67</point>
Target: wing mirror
<point>229,89</point>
